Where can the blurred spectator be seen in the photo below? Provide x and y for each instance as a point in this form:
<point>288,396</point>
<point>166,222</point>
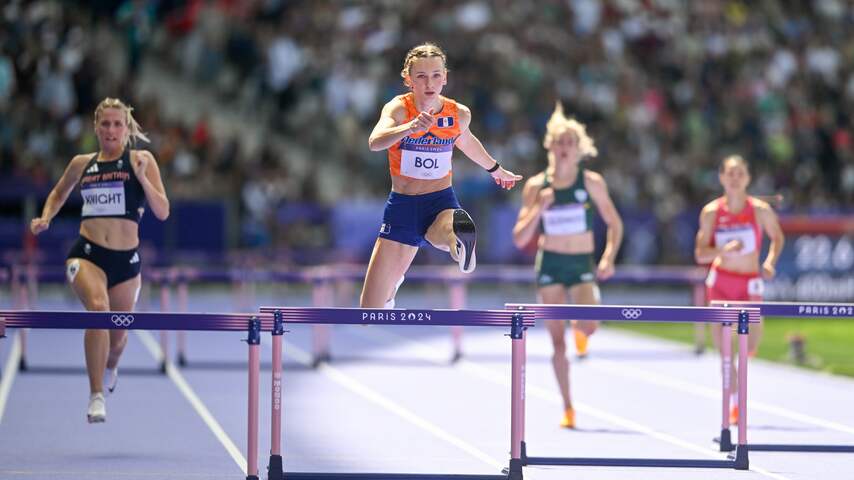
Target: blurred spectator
<point>666,87</point>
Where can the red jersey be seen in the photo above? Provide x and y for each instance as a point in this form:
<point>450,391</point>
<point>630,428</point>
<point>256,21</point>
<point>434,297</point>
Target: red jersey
<point>726,285</point>
<point>740,226</point>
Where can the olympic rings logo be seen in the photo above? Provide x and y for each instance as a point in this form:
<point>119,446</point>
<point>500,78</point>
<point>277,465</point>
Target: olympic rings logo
<point>632,313</point>
<point>122,320</point>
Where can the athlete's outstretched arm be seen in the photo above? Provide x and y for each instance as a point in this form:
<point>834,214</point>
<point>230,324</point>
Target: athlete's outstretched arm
<point>471,146</point>
<point>598,188</point>
<point>146,170</point>
<point>57,197</point>
<point>392,125</point>
<point>771,224</point>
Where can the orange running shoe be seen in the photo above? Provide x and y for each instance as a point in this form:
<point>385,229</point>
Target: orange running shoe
<point>580,342</point>
<point>733,415</point>
<point>568,420</point>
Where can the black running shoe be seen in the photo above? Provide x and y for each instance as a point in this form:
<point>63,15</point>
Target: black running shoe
<point>466,240</point>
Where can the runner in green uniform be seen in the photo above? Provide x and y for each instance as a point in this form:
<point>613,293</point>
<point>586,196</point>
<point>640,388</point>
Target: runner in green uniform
<point>557,207</point>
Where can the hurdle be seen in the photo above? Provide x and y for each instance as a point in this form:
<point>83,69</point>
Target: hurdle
<point>517,322</point>
<point>630,313</point>
<point>173,282</point>
<point>323,277</point>
<point>783,310</point>
<point>253,324</point>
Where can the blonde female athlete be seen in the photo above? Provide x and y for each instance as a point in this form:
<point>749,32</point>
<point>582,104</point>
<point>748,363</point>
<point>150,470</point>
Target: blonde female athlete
<point>730,238</point>
<point>556,204</point>
<point>420,130</point>
<point>103,265</point>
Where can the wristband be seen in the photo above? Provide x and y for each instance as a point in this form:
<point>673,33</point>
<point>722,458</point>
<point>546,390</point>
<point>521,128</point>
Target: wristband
<point>494,168</point>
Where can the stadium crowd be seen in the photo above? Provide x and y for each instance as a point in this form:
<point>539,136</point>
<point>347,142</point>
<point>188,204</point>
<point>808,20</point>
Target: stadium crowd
<point>666,87</point>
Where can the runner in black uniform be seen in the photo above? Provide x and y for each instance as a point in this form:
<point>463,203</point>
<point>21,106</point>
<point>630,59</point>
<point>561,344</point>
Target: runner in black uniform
<point>103,265</point>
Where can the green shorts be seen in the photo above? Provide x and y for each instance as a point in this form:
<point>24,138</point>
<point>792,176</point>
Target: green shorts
<point>563,269</point>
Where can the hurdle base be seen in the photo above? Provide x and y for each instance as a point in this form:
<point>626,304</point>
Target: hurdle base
<point>274,468</point>
<point>515,470</point>
<point>524,456</point>
<point>725,441</point>
<point>633,462</point>
<point>741,460</point>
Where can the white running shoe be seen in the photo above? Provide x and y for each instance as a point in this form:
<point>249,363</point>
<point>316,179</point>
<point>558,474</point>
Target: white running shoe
<point>390,302</point>
<point>97,412</point>
<point>111,378</point>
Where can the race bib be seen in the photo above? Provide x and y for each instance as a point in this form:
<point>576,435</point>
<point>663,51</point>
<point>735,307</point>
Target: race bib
<point>425,162</point>
<point>565,219</point>
<point>103,199</point>
<point>743,233</point>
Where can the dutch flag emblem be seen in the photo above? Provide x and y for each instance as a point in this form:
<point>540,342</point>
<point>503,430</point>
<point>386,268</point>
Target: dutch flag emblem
<point>445,122</point>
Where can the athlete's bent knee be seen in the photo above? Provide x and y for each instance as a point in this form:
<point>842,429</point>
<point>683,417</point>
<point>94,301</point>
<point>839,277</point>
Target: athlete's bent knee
<point>98,305</point>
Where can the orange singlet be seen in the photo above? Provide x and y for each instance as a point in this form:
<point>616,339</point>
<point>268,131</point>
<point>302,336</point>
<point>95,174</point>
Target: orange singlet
<point>426,155</point>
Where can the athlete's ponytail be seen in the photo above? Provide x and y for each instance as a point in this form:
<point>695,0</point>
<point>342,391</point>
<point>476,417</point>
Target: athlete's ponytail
<point>558,124</point>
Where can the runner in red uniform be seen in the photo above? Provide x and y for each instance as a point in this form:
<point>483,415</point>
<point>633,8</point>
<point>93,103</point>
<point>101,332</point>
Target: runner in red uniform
<point>730,239</point>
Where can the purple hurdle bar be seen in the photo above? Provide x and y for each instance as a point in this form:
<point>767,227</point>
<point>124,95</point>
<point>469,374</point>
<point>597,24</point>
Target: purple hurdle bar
<point>630,313</point>
<point>251,323</point>
<point>517,321</point>
<point>774,309</point>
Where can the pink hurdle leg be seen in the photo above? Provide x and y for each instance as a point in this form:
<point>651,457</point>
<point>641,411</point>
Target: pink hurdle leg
<point>699,299</point>
<point>22,302</point>
<point>517,399</point>
<point>183,302</point>
<point>457,292</point>
<point>165,305</point>
<point>274,467</point>
<point>741,460</point>
<point>522,413</point>
<point>726,372</point>
<point>725,443</point>
<point>276,430</point>
<point>254,342</point>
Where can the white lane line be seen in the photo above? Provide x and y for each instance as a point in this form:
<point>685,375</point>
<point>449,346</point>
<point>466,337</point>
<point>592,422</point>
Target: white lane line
<point>427,352</point>
<point>175,375</point>
<point>348,382</point>
<point>627,370</point>
<point>9,371</point>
